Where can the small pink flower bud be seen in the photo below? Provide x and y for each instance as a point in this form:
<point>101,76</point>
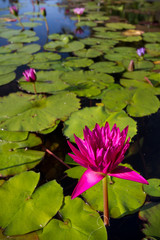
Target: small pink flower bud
<point>30,75</point>
<point>14,10</point>
<point>43,12</point>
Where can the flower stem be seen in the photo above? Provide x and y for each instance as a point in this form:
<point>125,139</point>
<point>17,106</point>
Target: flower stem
<point>79,18</point>
<point>60,160</point>
<point>34,86</point>
<point>46,24</point>
<point>20,22</point>
<point>105,201</point>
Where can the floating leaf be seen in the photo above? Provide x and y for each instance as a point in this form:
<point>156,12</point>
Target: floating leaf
<point>151,36</point>
<point>19,203</point>
<point>15,59</point>
<point>5,70</point>
<point>90,116</point>
<point>150,214</point>
<point>79,220</point>
<point>35,112</point>
<point>20,157</point>
<point>86,23</point>
<point>143,103</point>
<point>77,62</point>
<point>72,46</point>
<point>119,26</point>
<point>13,136</point>
<point>29,49</point>
<point>47,82</point>
<point>6,78</point>
<point>88,53</point>
<point>30,24</point>
<point>153,189</point>
<point>106,67</point>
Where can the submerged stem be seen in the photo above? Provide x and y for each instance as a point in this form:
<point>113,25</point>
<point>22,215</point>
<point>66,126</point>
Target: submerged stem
<point>60,160</point>
<point>105,201</point>
<point>46,24</point>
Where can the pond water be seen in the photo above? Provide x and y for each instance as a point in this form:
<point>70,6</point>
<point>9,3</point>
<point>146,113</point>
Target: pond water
<point>88,71</point>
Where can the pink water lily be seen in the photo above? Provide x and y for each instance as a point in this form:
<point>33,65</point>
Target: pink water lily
<point>78,11</point>
<point>43,12</point>
<point>30,75</point>
<point>13,10</point>
<point>101,151</point>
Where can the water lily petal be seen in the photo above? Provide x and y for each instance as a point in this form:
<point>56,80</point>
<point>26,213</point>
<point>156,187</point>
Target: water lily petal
<point>88,180</point>
<point>128,174</point>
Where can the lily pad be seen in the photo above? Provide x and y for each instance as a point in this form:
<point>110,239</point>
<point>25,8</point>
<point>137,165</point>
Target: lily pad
<point>15,59</point>
<point>151,37</point>
<point>117,189</point>
<point>5,70</point>
<point>30,24</point>
<point>13,136</point>
<point>119,26</point>
<point>150,214</point>
<point>143,103</point>
<point>153,49</point>
<point>139,65</point>
<point>116,99</point>
<point>88,53</point>
<point>10,47</point>
<point>72,46</point>
<point>6,78</point>
<point>79,221</point>
<point>77,62</point>
<point>19,203</point>
<point>29,49</point>
<point>20,157</point>
<point>90,116</point>
<point>106,67</point>
<point>35,112</point>
<point>153,189</point>
<point>47,82</point>
<point>86,23</point>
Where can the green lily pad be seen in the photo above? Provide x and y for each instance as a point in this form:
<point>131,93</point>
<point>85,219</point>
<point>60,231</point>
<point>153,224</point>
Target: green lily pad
<point>20,157</point>
<point>119,26</point>
<point>77,62</point>
<point>31,48</point>
<point>79,221</point>
<point>106,67</point>
<point>116,99</point>
<point>90,116</point>
<point>72,46</point>
<point>88,53</point>
<point>6,78</point>
<point>139,65</point>
<point>62,37</point>
<point>29,236</point>
<point>153,189</point>
<point>13,136</point>
<point>153,49</point>
<point>117,189</point>
<point>19,203</point>
<point>9,33</point>
<point>35,112</point>
<point>138,75</point>
<point>30,24</point>
<point>151,37</point>
<point>109,35</point>
<point>52,46</point>
<point>91,41</point>
<point>15,59</point>
<point>47,82</point>
<point>121,53</point>
<point>150,214</point>
<point>10,47</point>
<point>86,23</point>
<point>143,103</point>
<point>5,70</point>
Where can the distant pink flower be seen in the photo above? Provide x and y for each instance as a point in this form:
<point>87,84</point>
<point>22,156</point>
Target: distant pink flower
<point>141,51</point>
<point>78,11</point>
<point>14,10</point>
<point>30,75</point>
<point>101,151</point>
<point>43,12</point>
